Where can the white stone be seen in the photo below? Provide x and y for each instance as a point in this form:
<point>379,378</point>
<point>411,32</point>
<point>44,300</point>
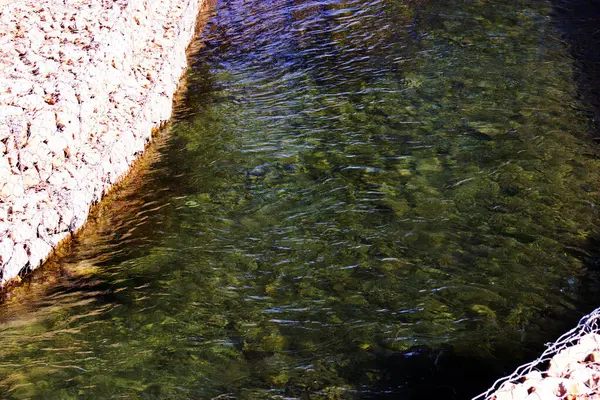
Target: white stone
<point>511,392</point>
<point>3,214</point>
<point>573,387</point>
<point>13,159</point>
<point>81,201</point>
<point>533,378</point>
<point>27,158</point>
<point>57,144</point>
<point>36,36</point>
<point>590,341</point>
<point>4,133</point>
<point>34,101</point>
<point>561,362</point>
<point>10,111</point>
<point>22,232</point>
<point>6,250</point>
<point>16,263</point>
<point>67,94</point>
<point>47,67</point>
<point>45,167</point>
<point>61,179</point>
<point>43,124</point>
<point>13,188</point>
<point>18,128</point>
<point>18,206</point>
<point>20,87</point>
<point>50,219</point>
<point>54,240</point>
<point>31,178</point>
<point>66,216</point>
<point>32,215</point>
<point>4,169</point>
<point>542,393</point>
<point>38,251</point>
<point>581,373</point>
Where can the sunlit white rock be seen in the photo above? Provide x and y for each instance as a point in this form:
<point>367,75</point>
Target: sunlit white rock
<point>18,260</point>
<point>38,251</point>
<point>6,249</point>
<point>64,65</point>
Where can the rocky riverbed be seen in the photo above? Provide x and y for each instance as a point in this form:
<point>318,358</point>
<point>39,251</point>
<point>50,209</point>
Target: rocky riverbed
<point>83,83</point>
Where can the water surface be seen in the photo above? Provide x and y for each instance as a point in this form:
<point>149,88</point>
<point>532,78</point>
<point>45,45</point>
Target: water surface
<point>357,199</point>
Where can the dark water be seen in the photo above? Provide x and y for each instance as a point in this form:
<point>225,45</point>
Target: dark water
<point>357,199</point>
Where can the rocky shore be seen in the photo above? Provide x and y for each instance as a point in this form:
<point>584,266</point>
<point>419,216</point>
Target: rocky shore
<point>83,84</point>
<point>574,373</point>
<point>568,369</point>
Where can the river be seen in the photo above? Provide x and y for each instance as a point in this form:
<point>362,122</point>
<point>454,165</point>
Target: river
<point>355,199</point>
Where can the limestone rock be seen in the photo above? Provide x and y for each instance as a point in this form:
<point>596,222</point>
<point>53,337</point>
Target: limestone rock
<point>16,263</point>
<point>11,111</point>
<point>6,250</point>
<point>22,232</point>
<point>573,387</point>
<point>31,178</point>
<point>4,169</point>
<point>13,187</point>
<point>561,362</point>
<point>57,144</point>
<point>594,357</point>
<point>542,392</point>
<point>43,124</point>
<point>5,133</point>
<point>38,251</point>
<point>581,373</point>
<point>510,391</point>
<point>590,342</point>
<point>3,214</point>
<point>82,84</point>
<point>533,377</point>
<point>55,239</point>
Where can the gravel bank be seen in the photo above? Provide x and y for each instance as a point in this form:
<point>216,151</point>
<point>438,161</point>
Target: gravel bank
<point>83,83</point>
<point>573,374</point>
<point>569,369</point>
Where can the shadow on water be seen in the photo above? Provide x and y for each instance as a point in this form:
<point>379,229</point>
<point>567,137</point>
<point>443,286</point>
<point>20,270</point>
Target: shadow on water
<point>440,373</point>
<point>579,24</point>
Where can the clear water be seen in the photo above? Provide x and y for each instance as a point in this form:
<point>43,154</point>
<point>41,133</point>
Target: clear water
<point>356,199</point>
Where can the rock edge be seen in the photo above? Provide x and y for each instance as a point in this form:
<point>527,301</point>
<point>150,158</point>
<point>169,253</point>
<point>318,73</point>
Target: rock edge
<point>573,374</point>
<point>83,84</point>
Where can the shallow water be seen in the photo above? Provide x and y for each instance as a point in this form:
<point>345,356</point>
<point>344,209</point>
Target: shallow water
<point>357,199</point>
